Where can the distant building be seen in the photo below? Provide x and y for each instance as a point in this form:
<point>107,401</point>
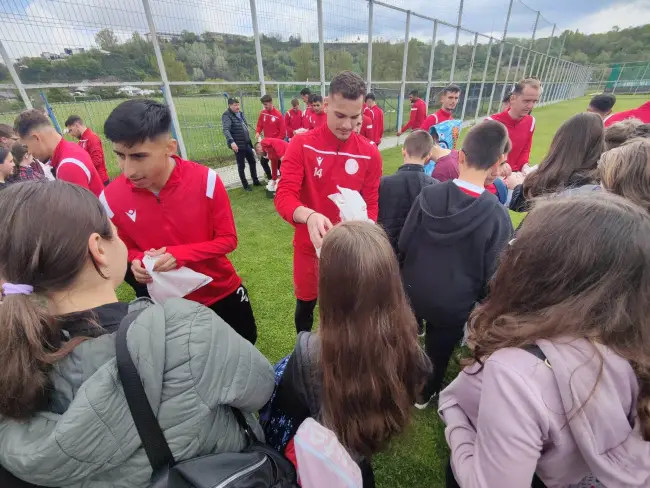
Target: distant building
<point>130,91</point>
<point>50,56</point>
<point>8,95</point>
<point>69,51</point>
<point>163,36</point>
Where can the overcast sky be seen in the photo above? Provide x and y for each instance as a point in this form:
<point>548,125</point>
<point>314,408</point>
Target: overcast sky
<point>34,26</point>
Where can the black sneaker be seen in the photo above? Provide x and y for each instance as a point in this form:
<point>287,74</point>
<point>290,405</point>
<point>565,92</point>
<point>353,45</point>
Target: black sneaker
<point>257,183</point>
<point>248,188</point>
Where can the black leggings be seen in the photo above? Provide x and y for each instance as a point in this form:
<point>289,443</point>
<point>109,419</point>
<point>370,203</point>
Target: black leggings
<point>246,154</point>
<point>439,344</point>
<point>304,316</point>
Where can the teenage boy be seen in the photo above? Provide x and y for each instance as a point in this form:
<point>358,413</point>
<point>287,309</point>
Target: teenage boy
<point>642,113</point>
<point>90,142</point>
<point>273,150</point>
<point>317,117</point>
<point>602,104</point>
<point>7,136</point>
<point>377,119</point>
<point>448,100</point>
<point>418,113</point>
<point>446,161</point>
<point>270,123</point>
<point>238,138</point>
<point>520,125</point>
<point>69,161</point>
<point>397,192</point>
<point>314,166</point>
<point>450,244</point>
<point>305,93</point>
<point>293,118</point>
<point>367,129</point>
<point>174,210</point>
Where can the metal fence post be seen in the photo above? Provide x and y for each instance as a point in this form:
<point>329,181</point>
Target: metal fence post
<point>258,47</point>
<point>567,80</point>
<point>163,75</point>
<point>469,77</point>
<point>321,46</point>
<point>562,76</point>
<point>532,43</point>
<point>431,59</point>
<point>549,91</point>
<point>619,77</point>
<point>485,69</point>
<point>453,59</point>
<point>402,88</point>
<point>601,80</point>
<point>544,71</point>
<point>521,54</point>
<point>371,11</point>
<point>505,82</point>
<point>14,76</point>
<point>557,72</point>
<point>532,66</point>
<point>496,71</point>
<point>642,78</point>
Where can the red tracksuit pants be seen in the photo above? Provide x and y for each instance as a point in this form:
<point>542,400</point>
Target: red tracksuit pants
<point>305,273</point>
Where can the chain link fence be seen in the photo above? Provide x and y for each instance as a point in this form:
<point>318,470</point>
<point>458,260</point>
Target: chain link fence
<point>87,56</point>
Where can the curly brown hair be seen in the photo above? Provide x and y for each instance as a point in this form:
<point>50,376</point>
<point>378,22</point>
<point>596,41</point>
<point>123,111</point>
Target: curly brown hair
<point>626,171</point>
<point>580,267</point>
<point>371,359</point>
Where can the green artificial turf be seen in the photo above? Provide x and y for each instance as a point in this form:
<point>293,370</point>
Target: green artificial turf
<point>264,260</point>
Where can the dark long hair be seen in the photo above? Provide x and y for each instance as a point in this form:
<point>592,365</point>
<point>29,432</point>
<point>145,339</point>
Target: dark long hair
<point>44,232</point>
<point>372,362</point>
<point>580,267</point>
<point>572,159</point>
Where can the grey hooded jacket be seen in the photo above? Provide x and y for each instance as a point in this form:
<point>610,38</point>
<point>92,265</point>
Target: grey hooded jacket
<point>192,365</point>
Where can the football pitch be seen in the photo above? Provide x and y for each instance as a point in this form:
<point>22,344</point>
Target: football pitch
<point>264,260</point>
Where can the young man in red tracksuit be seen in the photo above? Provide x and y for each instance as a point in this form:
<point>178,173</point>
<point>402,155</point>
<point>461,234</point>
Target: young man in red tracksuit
<point>449,101</point>
<point>274,150</point>
<point>293,118</point>
<point>521,126</point>
<point>271,124</point>
<point>367,129</point>
<point>317,117</point>
<point>90,142</point>
<point>418,113</point>
<point>69,161</point>
<point>175,210</point>
<point>305,93</point>
<point>315,164</point>
<point>642,113</point>
<point>377,119</point>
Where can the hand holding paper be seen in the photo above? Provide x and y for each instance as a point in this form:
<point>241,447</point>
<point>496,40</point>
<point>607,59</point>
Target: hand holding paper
<point>171,284</point>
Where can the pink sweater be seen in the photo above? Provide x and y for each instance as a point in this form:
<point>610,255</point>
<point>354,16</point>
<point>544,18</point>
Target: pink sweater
<point>510,420</point>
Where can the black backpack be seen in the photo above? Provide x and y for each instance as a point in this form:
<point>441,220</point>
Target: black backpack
<point>257,466</point>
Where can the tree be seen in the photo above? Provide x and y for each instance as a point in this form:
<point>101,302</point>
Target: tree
<point>106,39</point>
<point>175,69</point>
<point>302,57</point>
<point>198,74</point>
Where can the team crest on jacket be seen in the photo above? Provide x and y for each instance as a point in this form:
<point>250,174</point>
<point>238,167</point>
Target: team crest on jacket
<point>272,119</point>
<point>351,166</point>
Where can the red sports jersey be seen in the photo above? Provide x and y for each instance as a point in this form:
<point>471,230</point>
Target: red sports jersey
<point>73,164</point>
<point>521,136</point>
<point>292,121</point>
<point>418,113</point>
<point>93,144</point>
<point>642,113</point>
<point>314,120</point>
<point>378,123</point>
<point>436,118</point>
<point>191,217</point>
<point>367,129</point>
<point>314,165</point>
<point>271,123</point>
<point>274,148</point>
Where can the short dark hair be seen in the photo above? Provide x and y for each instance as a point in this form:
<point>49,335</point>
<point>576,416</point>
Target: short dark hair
<point>434,134</point>
<point>18,150</point>
<point>315,99</point>
<point>418,144</point>
<point>485,143</point>
<point>29,120</point>
<point>506,97</point>
<point>415,93</point>
<point>604,102</point>
<point>135,121</point>
<point>370,96</point>
<point>6,130</point>
<point>451,89</point>
<point>349,85</point>
<point>266,98</point>
<point>73,119</point>
<point>295,102</point>
<point>233,100</point>
<point>305,91</point>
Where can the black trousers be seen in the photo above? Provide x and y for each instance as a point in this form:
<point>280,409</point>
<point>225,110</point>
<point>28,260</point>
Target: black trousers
<point>236,311</point>
<point>367,474</point>
<point>246,154</point>
<point>304,316</point>
<point>140,289</point>
<point>440,341</point>
<point>265,166</point>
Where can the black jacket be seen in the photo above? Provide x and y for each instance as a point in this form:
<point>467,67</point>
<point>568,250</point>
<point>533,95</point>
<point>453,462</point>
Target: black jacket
<point>519,202</point>
<point>235,130</point>
<point>450,244</point>
<point>397,193</point>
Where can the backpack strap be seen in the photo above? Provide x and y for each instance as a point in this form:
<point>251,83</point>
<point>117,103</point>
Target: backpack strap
<point>153,439</point>
<point>536,351</point>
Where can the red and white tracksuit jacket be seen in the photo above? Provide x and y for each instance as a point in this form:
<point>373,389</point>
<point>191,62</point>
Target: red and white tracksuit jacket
<point>72,163</point>
<point>314,120</point>
<point>191,217</point>
<point>436,118</point>
<point>93,144</point>
<point>313,166</point>
<point>271,124</point>
<point>292,121</point>
<point>274,149</point>
<point>418,114</point>
<point>367,129</point>
<point>521,134</point>
<point>378,123</point>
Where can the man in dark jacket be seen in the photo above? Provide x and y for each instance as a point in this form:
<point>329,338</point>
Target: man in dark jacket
<point>238,138</point>
<point>397,192</point>
<point>450,244</point>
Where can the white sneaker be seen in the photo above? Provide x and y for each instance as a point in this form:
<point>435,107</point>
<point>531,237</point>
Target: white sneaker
<point>424,406</point>
<point>271,186</point>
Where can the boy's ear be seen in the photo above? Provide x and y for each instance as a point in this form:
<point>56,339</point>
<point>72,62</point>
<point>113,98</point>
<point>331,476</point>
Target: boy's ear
<point>461,157</point>
<point>403,152</point>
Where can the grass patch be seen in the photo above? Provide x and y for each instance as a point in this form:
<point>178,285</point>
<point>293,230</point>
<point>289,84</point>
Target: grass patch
<point>264,261</point>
